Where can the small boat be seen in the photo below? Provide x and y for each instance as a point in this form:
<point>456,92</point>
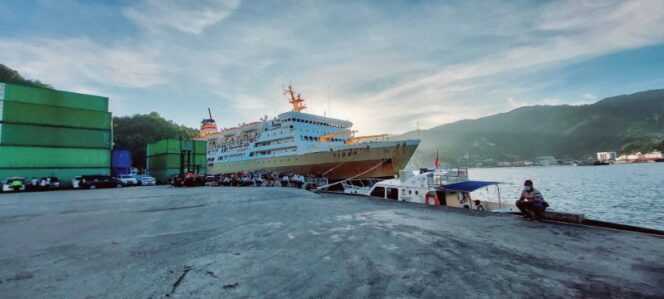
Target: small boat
<point>439,187</point>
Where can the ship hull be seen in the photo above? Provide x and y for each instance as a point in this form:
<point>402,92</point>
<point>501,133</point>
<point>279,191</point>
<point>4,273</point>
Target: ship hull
<point>361,160</point>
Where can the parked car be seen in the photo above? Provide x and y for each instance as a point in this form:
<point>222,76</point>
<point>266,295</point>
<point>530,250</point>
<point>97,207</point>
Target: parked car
<point>98,181</point>
<point>128,180</point>
<point>146,180</point>
<point>212,180</point>
<point>190,180</point>
<point>14,184</point>
<point>49,183</point>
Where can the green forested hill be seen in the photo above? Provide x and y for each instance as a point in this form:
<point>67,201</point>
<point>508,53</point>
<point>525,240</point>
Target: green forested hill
<point>626,123</point>
<point>136,132</point>
<point>8,75</point>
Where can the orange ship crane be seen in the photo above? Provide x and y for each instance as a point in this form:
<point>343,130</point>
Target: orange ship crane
<point>295,101</point>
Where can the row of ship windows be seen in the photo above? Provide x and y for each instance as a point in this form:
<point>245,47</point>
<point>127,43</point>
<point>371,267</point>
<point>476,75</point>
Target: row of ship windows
<point>261,153</point>
<point>271,152</point>
<point>281,132</point>
<point>265,162</point>
<point>276,141</point>
<point>316,138</point>
<point>228,157</point>
<point>287,140</point>
<point>320,123</point>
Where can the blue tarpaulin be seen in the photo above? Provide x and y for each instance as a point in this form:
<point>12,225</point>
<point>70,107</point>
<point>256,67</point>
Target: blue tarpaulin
<point>468,186</point>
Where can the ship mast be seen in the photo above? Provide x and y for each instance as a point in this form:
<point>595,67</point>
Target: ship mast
<point>208,126</point>
<point>295,101</point>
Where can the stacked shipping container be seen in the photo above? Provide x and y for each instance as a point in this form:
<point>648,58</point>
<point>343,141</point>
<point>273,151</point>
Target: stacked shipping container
<point>120,162</point>
<point>45,132</point>
<point>171,156</point>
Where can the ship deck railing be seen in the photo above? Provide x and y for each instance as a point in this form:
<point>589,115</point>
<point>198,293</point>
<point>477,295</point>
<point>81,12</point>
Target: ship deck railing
<point>449,175</point>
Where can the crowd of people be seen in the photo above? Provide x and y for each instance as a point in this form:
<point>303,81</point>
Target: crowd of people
<point>272,179</point>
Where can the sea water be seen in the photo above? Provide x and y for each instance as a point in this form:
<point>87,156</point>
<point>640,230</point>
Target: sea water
<point>624,193</point>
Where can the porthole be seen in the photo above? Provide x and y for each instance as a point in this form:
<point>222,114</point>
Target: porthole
<point>410,191</point>
<point>417,193</point>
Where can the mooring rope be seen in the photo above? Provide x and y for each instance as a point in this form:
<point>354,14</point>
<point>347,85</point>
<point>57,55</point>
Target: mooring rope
<point>357,175</point>
<point>333,168</point>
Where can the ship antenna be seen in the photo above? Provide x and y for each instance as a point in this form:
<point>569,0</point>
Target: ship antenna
<point>295,101</point>
<point>209,112</point>
<point>329,109</point>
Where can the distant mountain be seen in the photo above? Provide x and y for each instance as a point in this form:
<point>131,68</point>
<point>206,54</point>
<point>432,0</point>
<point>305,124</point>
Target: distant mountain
<point>626,123</point>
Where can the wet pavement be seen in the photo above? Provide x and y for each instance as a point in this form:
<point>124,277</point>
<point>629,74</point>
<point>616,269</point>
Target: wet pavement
<point>221,242</point>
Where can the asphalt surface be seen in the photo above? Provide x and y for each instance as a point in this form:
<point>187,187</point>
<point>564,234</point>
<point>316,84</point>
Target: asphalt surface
<point>220,242</point>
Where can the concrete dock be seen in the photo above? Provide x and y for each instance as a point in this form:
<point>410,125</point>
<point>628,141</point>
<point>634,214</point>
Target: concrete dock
<point>220,242</point>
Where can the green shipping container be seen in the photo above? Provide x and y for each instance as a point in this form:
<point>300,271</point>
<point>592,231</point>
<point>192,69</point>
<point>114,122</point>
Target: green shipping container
<point>51,97</point>
<point>166,161</point>
<point>175,146</point>
<point>63,174</point>
<point>17,134</point>
<point>196,146</point>
<point>163,161</point>
<point>51,157</point>
<point>200,147</point>
<point>166,146</point>
<point>24,113</point>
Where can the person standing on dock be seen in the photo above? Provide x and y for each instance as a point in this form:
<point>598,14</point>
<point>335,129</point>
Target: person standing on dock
<point>531,202</point>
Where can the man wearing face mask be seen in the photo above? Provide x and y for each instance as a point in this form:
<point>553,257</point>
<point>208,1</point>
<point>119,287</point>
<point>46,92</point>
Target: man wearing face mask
<point>531,202</point>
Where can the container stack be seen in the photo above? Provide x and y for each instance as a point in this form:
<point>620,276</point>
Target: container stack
<point>170,157</point>
<point>120,162</point>
<point>46,132</point>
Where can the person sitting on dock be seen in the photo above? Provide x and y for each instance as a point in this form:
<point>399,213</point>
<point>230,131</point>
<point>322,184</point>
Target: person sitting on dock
<point>531,202</point>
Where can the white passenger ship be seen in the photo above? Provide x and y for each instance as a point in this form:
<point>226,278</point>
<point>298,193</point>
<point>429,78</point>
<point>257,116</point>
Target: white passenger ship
<point>304,143</point>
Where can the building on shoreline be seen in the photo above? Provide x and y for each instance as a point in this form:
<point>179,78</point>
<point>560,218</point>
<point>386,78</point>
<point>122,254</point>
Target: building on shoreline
<point>546,161</point>
<point>655,156</point>
<point>607,156</point>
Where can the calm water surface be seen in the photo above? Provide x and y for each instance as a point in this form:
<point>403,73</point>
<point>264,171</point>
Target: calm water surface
<point>624,193</point>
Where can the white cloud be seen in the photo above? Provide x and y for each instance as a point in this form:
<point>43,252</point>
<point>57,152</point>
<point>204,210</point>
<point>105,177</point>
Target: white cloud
<point>590,97</point>
<point>430,63</point>
<point>185,16</point>
<point>73,62</point>
<point>571,32</point>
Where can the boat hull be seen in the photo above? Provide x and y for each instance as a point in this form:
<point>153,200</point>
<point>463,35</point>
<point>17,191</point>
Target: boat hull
<point>362,160</point>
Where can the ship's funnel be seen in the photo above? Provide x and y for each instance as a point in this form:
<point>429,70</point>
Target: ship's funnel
<point>208,126</point>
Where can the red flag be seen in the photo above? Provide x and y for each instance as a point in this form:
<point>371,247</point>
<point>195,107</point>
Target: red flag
<point>437,162</point>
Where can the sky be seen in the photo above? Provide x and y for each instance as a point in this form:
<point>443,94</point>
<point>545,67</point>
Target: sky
<point>387,66</point>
